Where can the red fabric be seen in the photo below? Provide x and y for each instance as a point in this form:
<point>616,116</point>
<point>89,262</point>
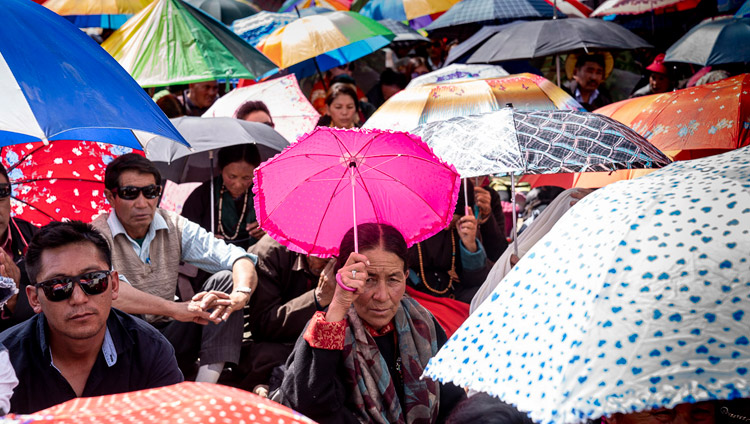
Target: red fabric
<point>322,334</point>
<point>449,313</point>
<point>187,402</point>
<point>383,331</point>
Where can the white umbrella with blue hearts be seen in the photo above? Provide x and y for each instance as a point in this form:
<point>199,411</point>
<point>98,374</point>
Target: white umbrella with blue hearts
<point>637,299</point>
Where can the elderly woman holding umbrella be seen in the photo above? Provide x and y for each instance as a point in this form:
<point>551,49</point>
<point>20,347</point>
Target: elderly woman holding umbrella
<point>361,361</point>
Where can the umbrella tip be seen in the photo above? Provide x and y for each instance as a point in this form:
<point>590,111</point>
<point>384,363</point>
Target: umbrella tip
<point>45,141</point>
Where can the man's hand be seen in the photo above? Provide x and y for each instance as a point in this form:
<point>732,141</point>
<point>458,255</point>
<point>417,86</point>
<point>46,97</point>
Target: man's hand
<point>483,200</point>
<point>255,230</point>
<point>9,269</point>
<point>218,303</point>
<point>326,284</point>
<point>189,312</point>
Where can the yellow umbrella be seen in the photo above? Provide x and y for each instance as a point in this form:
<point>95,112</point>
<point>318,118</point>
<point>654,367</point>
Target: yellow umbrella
<point>96,13</point>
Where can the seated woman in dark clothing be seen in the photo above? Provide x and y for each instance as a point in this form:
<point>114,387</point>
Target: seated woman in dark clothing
<point>234,212</point>
<point>361,361</point>
<point>452,263</point>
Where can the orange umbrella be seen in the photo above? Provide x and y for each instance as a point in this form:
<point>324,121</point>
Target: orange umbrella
<point>685,124</point>
<point>185,402</point>
<point>691,123</point>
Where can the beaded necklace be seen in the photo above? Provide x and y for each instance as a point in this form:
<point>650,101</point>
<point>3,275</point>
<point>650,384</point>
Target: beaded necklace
<point>450,274</point>
<point>220,227</point>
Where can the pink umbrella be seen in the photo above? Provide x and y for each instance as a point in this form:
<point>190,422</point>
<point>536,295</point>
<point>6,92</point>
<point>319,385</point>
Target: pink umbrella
<point>312,193</point>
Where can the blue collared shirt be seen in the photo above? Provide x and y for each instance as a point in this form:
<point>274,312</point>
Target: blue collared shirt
<point>199,247</point>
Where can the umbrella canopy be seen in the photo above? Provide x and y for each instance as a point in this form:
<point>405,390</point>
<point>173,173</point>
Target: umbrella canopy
<point>538,142</point>
<point>461,51</point>
<point>418,12</point>
<point>188,401</point>
<point>181,164</point>
<point>635,299</point>
<point>583,179</point>
<point>743,11</point>
<point>292,113</point>
<point>61,180</point>
<point>493,12</point>
<point>332,39</point>
<point>555,36</point>
<point>68,89</point>
<point>109,14</point>
<point>435,102</point>
<point>309,196</point>
<point>403,33</point>
<point>572,8</point>
<point>714,42</point>
<point>458,72</point>
<point>293,5</point>
<point>636,7</point>
<point>692,122</point>
<point>257,27</point>
<point>227,11</point>
<point>199,48</point>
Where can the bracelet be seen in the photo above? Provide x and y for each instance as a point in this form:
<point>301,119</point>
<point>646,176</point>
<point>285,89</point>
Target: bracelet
<point>342,285</point>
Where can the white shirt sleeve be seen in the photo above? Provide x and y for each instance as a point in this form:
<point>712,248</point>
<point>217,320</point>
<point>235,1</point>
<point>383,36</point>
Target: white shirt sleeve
<point>8,381</point>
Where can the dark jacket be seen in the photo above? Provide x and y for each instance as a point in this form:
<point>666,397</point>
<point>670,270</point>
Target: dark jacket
<point>20,238</point>
<point>197,208</point>
<point>145,360</point>
<point>601,100</point>
<point>281,306</point>
<point>315,382</point>
<point>437,253</point>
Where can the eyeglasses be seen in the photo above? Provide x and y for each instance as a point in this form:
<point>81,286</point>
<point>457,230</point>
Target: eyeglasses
<point>59,289</point>
<point>131,192</point>
<point>5,190</point>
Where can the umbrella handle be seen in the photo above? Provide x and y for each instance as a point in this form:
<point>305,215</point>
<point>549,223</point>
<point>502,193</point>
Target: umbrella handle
<point>354,206</point>
<point>513,202</point>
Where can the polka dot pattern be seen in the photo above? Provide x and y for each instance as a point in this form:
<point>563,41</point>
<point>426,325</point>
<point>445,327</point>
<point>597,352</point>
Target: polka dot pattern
<point>636,299</point>
<point>63,180</point>
<point>186,402</point>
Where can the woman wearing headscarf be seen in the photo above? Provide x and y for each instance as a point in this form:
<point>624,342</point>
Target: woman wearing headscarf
<point>539,228</point>
<point>361,361</point>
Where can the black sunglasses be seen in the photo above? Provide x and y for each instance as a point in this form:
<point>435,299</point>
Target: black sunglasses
<point>131,192</point>
<point>59,289</point>
<point>5,190</point>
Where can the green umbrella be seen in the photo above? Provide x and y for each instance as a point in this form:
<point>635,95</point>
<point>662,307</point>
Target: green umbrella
<point>171,42</point>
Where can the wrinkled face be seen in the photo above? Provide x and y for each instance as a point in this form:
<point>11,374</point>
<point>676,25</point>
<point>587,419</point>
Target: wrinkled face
<point>385,286</point>
<point>203,94</point>
<point>316,264</point>
<point>135,215</point>
<point>81,316</point>
<point>342,111</point>
<point>659,82</point>
<point>259,116</point>
<point>4,210</point>
<point>589,76</point>
<point>238,177</point>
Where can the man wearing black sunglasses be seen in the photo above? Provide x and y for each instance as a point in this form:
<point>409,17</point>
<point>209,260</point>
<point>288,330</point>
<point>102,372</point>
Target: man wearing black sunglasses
<point>77,345</point>
<point>148,245</point>
<point>14,236</point>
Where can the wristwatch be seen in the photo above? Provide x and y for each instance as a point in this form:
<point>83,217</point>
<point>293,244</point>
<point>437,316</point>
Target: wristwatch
<point>247,290</point>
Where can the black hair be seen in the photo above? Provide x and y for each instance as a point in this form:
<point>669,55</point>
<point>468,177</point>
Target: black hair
<point>128,162</point>
<point>339,89</point>
<point>372,235</point>
<point>246,152</point>
<point>391,77</point>
<point>594,58</point>
<point>59,234</point>
<point>487,409</point>
<point>171,106</point>
<point>249,107</point>
<point>4,172</point>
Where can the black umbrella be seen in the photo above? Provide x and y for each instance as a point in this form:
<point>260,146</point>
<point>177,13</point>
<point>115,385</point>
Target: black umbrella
<point>534,39</point>
<point>461,51</point>
<point>227,11</point>
<point>404,33</point>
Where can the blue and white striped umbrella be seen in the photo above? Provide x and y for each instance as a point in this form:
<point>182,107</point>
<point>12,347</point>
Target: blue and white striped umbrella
<point>56,83</point>
<point>636,299</point>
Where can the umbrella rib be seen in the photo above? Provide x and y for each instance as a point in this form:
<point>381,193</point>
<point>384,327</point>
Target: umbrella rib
<point>52,218</point>
<point>26,156</point>
<point>328,206</point>
<point>407,187</point>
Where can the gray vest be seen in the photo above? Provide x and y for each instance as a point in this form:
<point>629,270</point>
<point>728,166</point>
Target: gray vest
<point>159,277</point>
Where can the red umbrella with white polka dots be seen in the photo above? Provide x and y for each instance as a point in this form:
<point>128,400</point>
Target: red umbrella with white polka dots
<point>186,402</point>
